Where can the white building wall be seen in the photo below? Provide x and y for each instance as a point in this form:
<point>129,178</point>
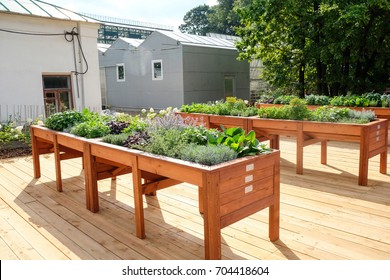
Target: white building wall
<point>25,58</point>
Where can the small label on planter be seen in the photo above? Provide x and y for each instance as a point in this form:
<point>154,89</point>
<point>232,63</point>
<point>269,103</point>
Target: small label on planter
<point>248,178</point>
<point>250,167</point>
<point>377,139</point>
<point>248,189</point>
<point>379,126</point>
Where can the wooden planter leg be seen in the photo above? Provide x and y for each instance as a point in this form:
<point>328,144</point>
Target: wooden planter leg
<point>299,154</point>
<point>383,156</point>
<point>138,200</point>
<point>364,156</point>
<point>200,200</point>
<point>324,152</point>
<point>91,184</point>
<point>212,219</point>
<point>57,163</point>
<point>35,154</point>
<point>274,210</point>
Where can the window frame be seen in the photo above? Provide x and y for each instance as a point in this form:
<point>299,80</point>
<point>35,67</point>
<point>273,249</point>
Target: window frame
<point>161,76</point>
<point>118,79</point>
<point>56,98</point>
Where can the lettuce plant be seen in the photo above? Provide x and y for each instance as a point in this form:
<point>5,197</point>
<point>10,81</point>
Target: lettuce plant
<point>237,140</point>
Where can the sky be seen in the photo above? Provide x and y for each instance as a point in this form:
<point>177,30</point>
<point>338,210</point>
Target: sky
<point>166,12</point>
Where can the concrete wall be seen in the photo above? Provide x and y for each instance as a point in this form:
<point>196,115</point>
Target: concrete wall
<point>205,70</point>
<point>139,90</point>
<point>25,58</point>
<point>190,74</point>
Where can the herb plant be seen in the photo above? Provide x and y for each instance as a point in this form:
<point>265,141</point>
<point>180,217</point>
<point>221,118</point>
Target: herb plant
<point>64,120</point>
<point>236,139</point>
<point>207,155</point>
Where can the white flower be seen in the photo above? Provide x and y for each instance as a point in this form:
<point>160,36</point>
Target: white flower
<point>19,128</point>
<point>143,111</point>
<point>162,112</point>
<point>40,122</point>
<point>151,110</point>
<point>246,102</point>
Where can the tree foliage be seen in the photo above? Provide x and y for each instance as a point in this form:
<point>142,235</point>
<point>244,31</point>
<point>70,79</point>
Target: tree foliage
<point>326,46</point>
<point>196,21</point>
<point>224,19</point>
<point>204,19</point>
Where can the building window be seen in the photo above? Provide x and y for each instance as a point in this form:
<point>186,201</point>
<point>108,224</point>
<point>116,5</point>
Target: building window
<point>57,94</point>
<point>120,72</point>
<point>157,69</point>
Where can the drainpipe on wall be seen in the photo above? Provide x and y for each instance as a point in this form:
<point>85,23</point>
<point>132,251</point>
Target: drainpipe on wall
<point>82,69</point>
<point>78,61</point>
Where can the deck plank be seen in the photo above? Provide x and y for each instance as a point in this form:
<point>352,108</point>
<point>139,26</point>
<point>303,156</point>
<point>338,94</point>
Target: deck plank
<point>324,214</point>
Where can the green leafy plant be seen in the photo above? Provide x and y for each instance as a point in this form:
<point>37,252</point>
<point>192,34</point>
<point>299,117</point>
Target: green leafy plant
<point>116,139</point>
<point>231,107</point>
<point>329,114</point>
<point>236,139</point>
<point>284,99</point>
<point>298,110</point>
<point>10,132</point>
<point>319,100</point>
<point>91,129</point>
<point>167,142</point>
<point>207,155</point>
<point>64,120</point>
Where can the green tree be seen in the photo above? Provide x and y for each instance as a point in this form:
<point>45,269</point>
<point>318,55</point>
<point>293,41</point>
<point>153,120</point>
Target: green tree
<point>196,21</point>
<point>224,19</point>
<point>331,47</point>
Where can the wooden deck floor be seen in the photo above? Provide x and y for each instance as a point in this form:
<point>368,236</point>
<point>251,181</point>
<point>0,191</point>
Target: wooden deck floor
<point>324,214</point>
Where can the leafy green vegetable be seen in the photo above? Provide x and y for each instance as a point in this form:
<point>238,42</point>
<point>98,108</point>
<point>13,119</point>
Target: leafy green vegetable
<point>236,139</point>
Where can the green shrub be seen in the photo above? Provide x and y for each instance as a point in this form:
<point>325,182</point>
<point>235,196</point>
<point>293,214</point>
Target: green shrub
<point>207,155</point>
<point>298,110</point>
<point>329,114</point>
<point>231,107</point>
<point>115,139</point>
<point>64,120</point>
<point>135,123</point>
<point>198,134</point>
<point>363,116</point>
<point>385,100</point>
<point>91,129</point>
<point>284,99</point>
<point>9,132</point>
<point>166,142</point>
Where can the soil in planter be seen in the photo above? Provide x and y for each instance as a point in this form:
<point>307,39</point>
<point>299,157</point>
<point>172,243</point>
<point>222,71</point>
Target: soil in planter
<point>14,149</point>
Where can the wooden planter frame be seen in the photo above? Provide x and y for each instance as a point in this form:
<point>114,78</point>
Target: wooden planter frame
<point>380,112</point>
<point>372,137</point>
<point>228,192</point>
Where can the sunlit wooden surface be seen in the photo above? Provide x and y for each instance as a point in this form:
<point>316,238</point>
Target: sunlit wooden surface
<point>325,214</point>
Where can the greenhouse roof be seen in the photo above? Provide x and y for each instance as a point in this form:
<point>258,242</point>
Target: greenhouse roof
<point>41,9</point>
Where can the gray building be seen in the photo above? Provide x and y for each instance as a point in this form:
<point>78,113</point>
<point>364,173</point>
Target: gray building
<point>171,69</point>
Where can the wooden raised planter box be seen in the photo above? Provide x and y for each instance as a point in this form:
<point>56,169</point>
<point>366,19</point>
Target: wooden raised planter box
<point>67,146</point>
<point>228,192</point>
<point>380,112</point>
<point>372,137</point>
